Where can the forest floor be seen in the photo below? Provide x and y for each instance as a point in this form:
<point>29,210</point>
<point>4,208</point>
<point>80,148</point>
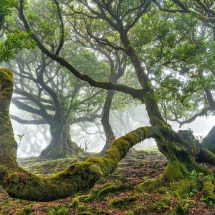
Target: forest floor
<point>118,194</point>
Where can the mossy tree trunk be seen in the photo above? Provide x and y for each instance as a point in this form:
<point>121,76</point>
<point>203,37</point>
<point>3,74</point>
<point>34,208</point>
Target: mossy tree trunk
<point>8,145</point>
<point>21,184</point>
<point>181,155</point>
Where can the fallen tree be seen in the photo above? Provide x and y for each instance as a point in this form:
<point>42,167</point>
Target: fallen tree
<point>179,149</point>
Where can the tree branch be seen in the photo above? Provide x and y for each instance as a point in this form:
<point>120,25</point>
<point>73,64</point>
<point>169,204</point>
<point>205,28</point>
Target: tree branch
<point>28,122</point>
<point>135,93</point>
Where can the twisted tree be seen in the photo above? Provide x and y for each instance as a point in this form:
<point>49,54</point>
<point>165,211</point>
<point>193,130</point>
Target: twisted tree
<point>52,96</point>
<point>19,183</point>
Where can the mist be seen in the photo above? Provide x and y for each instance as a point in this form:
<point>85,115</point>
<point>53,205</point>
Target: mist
<point>91,137</point>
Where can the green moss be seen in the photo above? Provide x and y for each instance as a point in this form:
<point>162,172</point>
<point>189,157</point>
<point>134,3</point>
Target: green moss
<point>183,187</point>
<point>164,203</point>
<point>121,202</point>
<point>26,210</point>
<point>75,203</point>
<point>208,190</point>
<point>113,188</point>
<point>129,212</point>
<point>83,209</point>
<point>149,186</point>
<point>63,211</point>
<point>174,171</point>
<point>84,213</point>
<point>87,198</point>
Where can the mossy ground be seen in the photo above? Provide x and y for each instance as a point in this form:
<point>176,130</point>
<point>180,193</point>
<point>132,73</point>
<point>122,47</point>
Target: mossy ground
<point>119,193</point>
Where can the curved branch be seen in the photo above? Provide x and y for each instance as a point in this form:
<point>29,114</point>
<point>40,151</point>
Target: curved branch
<point>67,183</point>
<point>29,97</point>
<point>203,112</point>
<point>86,118</point>
<point>167,10</point>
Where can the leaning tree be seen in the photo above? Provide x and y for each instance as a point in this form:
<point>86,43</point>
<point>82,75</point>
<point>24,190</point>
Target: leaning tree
<point>181,149</point>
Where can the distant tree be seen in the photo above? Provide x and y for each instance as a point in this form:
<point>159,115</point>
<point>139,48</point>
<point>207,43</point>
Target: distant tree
<point>53,97</point>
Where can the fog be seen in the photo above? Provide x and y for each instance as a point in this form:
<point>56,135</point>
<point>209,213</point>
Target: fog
<point>37,137</point>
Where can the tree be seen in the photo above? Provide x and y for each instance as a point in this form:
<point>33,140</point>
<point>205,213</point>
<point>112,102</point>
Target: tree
<point>116,60</point>
<point>181,149</point>
<point>198,70</point>
<point>53,97</point>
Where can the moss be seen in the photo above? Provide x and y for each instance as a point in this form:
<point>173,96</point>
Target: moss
<point>183,187</point>
<point>75,203</point>
<point>58,210</point>
<point>206,156</point>
<point>113,188</point>
<point>84,213</point>
<point>26,210</point>
<point>149,186</point>
<point>164,203</point>
<point>174,171</point>
<point>208,190</point>
<point>87,198</point>
<point>129,212</point>
<point>83,209</point>
<point>62,211</point>
<point>121,202</point>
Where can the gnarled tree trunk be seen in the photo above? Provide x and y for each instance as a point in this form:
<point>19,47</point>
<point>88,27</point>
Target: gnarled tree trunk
<point>61,144</point>
<point>180,150</point>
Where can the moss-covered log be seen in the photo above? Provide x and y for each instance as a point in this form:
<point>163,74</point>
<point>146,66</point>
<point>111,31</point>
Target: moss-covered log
<point>21,184</point>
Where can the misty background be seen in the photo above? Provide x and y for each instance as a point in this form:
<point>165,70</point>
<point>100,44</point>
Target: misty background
<point>90,136</point>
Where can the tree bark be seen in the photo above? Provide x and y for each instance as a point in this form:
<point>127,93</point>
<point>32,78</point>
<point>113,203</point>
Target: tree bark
<point>61,145</point>
<point>106,122</point>
<point>8,145</point>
